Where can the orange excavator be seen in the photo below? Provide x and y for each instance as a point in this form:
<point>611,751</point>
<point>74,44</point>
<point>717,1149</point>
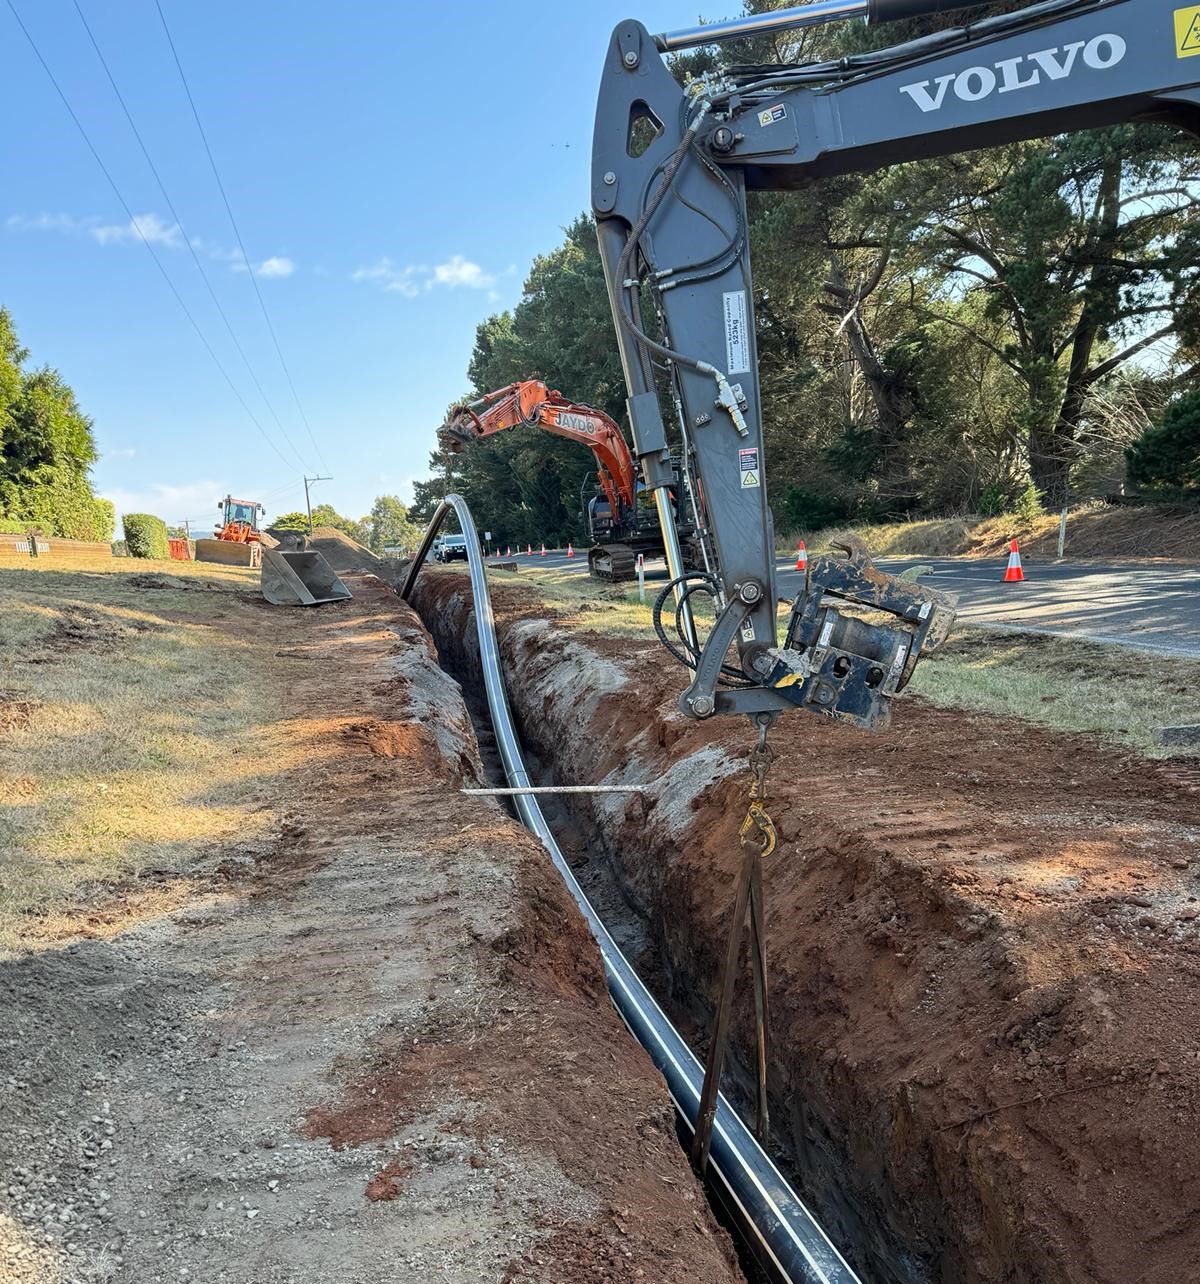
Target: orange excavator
<point>618,526</point>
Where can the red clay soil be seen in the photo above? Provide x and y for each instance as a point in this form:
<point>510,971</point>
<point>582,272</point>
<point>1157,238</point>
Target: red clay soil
<point>985,956</point>
<point>544,1065</point>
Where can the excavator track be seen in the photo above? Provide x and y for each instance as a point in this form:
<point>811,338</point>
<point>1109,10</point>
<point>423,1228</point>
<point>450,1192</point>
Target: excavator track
<point>612,562</point>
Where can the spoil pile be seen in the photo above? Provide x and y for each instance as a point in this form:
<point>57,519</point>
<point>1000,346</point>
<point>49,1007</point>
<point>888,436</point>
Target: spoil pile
<point>345,554</point>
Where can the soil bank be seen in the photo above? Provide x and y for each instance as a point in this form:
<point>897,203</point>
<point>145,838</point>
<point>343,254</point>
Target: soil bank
<point>985,954</point>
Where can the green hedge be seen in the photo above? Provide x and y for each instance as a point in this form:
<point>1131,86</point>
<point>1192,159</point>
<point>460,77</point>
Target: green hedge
<point>60,501</point>
<point>146,536</point>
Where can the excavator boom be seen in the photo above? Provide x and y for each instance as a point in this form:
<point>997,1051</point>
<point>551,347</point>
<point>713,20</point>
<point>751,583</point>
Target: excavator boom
<point>530,403</point>
<point>672,222</point>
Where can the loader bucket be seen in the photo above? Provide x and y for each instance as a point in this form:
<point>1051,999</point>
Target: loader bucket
<point>299,577</point>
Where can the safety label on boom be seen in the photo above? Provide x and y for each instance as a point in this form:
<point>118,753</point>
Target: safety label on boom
<point>748,467</point>
<point>737,340</point>
<point>1187,31</point>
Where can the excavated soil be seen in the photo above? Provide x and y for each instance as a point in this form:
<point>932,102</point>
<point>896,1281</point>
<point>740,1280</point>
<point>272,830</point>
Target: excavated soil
<point>985,955</point>
<point>376,1047</point>
<point>345,554</point>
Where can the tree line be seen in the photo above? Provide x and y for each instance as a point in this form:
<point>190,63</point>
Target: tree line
<point>47,450</point>
<point>1011,327</point>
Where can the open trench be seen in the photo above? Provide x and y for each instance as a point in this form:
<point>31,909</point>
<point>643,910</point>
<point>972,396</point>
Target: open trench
<point>963,1052</point>
<point>592,845</point>
<point>576,832</point>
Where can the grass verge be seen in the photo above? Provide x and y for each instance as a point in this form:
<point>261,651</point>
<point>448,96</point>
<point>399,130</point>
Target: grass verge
<point>1093,531</point>
<point>130,716</point>
<point>1122,695</point>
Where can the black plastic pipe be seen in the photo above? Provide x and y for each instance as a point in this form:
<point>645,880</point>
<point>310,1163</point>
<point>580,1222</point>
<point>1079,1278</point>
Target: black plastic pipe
<point>780,1230</point>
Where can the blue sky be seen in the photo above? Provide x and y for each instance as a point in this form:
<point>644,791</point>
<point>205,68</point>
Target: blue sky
<point>393,168</point>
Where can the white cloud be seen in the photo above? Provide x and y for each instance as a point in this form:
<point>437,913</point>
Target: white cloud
<point>119,452</point>
<point>275,266</point>
<point>458,271</point>
<point>142,227</point>
<point>415,278</point>
<point>400,280</point>
<point>196,500</point>
<point>152,228</point>
<point>43,222</point>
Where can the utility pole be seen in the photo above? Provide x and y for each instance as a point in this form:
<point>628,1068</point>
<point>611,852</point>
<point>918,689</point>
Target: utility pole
<point>307,501</point>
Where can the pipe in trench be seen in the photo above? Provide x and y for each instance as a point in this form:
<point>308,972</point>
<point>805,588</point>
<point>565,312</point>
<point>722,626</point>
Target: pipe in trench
<point>782,1232</point>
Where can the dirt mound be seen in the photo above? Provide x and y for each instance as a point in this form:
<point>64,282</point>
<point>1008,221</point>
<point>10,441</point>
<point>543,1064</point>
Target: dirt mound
<point>985,945</point>
<point>345,554</point>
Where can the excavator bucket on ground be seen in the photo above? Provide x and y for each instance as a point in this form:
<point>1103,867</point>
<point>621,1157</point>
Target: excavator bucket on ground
<point>299,577</point>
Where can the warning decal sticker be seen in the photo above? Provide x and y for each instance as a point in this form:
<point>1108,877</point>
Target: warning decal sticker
<point>737,340</point>
<point>748,467</point>
<point>1187,31</point>
<point>773,115</point>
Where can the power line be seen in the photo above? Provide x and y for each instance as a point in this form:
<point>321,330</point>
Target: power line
<point>236,231</point>
<point>183,232</point>
<point>142,236</point>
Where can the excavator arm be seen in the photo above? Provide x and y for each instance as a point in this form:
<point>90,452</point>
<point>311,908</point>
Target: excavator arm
<point>672,225</point>
<point>530,403</point>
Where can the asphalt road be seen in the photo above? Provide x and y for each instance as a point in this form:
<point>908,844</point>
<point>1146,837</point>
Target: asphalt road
<point>1153,607</point>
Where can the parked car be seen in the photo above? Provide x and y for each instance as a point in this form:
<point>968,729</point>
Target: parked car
<point>453,548</point>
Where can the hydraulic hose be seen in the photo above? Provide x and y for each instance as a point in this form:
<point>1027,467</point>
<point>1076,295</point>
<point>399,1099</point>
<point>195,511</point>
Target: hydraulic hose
<point>780,1230</point>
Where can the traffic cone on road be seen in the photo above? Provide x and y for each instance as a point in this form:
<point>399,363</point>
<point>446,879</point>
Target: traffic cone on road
<point>570,550</point>
<point>543,550</point>
<point>1014,574</point>
<point>801,557</point>
<point>528,550</point>
<point>508,550</point>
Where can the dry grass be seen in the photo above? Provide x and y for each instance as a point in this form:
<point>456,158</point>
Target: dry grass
<point>944,537</point>
<point>611,609</point>
<point>1122,695</point>
<point>1111,691</point>
<point>1093,531</point>
<point>130,730</point>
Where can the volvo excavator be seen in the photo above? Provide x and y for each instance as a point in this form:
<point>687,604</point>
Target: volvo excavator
<point>671,169</point>
<point>619,529</point>
<point>673,230</point>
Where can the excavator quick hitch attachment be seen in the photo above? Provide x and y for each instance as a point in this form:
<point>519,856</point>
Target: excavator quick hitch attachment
<point>854,638</point>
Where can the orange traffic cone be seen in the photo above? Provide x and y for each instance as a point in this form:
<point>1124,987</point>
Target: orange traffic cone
<point>1014,574</point>
<point>508,550</point>
<point>801,557</point>
<point>543,550</point>
<point>528,550</point>
<point>570,550</point>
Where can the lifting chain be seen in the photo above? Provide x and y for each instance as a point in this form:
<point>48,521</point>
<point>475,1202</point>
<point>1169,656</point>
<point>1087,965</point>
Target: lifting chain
<point>758,840</point>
